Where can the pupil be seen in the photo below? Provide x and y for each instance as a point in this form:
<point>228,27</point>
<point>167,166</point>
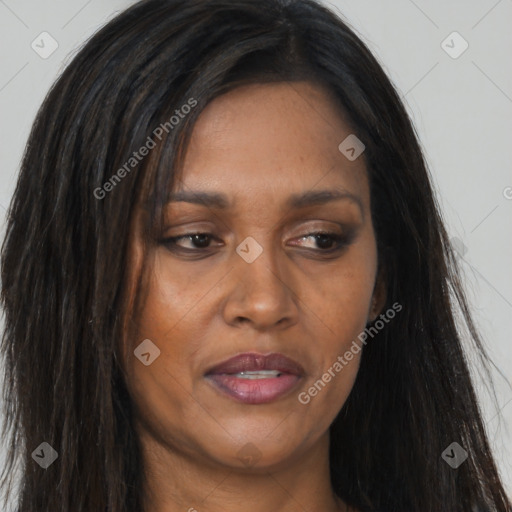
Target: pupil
<point>200,240</point>
<point>322,239</point>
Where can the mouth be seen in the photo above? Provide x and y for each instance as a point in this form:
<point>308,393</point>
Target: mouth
<point>254,378</point>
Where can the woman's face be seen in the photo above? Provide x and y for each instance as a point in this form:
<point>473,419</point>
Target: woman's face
<point>258,283</point>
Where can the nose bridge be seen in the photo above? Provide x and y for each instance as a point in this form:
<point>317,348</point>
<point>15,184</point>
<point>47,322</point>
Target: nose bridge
<point>260,265</point>
<point>262,293</point>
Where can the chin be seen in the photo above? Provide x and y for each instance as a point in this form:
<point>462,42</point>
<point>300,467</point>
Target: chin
<point>256,453</point>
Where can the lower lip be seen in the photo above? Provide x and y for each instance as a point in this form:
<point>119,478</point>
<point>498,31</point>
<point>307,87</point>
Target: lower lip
<point>254,391</point>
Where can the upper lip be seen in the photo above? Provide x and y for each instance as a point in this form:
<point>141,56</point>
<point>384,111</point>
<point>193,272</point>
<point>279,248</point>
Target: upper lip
<point>252,361</point>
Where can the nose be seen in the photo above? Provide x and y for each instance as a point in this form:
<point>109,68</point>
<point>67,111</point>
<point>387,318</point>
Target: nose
<point>261,292</point>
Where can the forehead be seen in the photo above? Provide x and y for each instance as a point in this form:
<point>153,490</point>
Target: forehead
<point>265,140</point>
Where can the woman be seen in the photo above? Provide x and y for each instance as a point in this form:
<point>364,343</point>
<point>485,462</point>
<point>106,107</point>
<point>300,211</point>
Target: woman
<point>227,283</point>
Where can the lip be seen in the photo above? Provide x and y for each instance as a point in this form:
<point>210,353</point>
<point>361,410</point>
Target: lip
<point>255,391</point>
<point>252,361</point>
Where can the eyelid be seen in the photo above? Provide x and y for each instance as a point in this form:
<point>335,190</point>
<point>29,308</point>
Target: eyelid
<point>299,229</point>
<point>312,225</point>
<point>298,226</point>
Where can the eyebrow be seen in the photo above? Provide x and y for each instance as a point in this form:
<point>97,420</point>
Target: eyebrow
<point>303,200</point>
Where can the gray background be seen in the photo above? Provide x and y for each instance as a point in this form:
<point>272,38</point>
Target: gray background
<point>461,107</point>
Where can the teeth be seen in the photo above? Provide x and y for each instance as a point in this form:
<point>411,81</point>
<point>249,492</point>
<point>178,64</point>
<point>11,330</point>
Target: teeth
<point>258,374</point>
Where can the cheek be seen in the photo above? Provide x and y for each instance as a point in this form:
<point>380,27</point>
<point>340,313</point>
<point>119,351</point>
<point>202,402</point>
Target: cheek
<point>173,294</point>
<point>343,302</point>
<point>346,292</point>
<point>161,319</point>
<point>167,320</point>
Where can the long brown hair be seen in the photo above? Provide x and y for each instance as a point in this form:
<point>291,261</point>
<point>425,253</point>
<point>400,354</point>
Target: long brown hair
<point>64,266</point>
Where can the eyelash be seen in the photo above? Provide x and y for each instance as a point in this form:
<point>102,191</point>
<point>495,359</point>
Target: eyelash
<point>341,241</point>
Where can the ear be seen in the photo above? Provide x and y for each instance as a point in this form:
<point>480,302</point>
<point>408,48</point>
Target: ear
<point>379,295</point>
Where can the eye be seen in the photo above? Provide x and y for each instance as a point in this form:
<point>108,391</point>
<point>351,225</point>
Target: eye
<point>327,241</point>
<point>201,241</point>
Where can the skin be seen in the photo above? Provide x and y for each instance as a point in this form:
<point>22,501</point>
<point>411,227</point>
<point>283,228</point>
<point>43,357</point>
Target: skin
<point>257,145</point>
